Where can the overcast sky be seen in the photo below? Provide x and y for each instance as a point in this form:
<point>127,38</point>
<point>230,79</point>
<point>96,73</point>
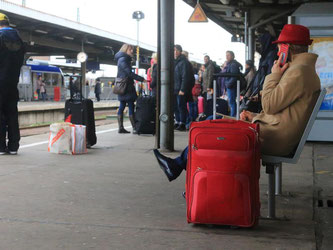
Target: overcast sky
<point>116,16</point>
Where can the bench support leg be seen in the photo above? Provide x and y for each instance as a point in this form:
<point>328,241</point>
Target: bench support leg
<point>270,170</point>
<point>278,179</point>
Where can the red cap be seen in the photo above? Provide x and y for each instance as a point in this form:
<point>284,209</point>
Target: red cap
<point>294,34</point>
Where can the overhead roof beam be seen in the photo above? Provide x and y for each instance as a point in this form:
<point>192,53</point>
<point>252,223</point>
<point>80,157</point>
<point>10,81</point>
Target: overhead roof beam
<point>43,41</point>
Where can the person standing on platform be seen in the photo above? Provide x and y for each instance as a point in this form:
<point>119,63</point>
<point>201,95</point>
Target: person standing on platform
<point>183,83</point>
<point>153,73</point>
<point>207,80</point>
<point>11,60</point>
<point>231,82</point>
<point>43,91</point>
<point>123,59</point>
<point>98,89</point>
<point>39,84</point>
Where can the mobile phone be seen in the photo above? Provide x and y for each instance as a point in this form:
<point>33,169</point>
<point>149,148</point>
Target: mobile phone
<point>284,49</point>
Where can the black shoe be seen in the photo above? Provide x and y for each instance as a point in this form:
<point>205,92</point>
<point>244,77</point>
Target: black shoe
<point>184,194</point>
<point>181,127</point>
<point>171,169</point>
<point>175,126</point>
<point>123,131</point>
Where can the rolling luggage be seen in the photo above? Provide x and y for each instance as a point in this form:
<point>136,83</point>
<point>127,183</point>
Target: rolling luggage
<point>223,170</point>
<point>82,113</point>
<point>145,114</point>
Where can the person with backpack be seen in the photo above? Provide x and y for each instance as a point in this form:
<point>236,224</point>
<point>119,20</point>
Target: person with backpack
<point>12,57</point>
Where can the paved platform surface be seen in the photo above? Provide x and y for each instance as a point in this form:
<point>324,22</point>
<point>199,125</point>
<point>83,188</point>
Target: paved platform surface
<point>116,197</point>
<point>40,105</point>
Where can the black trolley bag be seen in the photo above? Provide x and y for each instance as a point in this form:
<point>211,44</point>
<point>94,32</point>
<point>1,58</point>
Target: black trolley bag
<point>145,114</point>
<point>82,111</point>
<point>221,107</point>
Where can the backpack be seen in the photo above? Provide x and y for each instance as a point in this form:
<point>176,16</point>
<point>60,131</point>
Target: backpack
<point>217,68</point>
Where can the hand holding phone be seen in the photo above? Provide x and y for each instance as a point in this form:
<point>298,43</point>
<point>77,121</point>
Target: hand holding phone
<point>277,67</point>
<point>283,53</point>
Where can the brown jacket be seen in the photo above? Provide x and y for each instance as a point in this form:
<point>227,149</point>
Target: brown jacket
<point>287,103</point>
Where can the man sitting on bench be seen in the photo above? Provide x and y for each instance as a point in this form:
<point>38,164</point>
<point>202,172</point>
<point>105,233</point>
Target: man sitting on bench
<point>288,97</point>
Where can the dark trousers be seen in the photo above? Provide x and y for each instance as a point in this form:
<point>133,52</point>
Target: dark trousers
<point>192,113</point>
<point>180,109</point>
<point>97,96</point>
<point>9,122</point>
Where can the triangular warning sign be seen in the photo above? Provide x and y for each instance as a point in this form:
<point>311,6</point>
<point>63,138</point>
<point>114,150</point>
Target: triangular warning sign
<point>198,15</point>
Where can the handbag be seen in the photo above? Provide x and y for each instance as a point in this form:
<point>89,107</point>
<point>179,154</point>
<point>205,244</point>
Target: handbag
<point>120,86</point>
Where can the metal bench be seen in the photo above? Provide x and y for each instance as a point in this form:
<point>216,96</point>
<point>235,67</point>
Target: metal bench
<point>273,164</point>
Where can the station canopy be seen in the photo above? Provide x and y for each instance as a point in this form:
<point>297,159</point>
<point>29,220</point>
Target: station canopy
<point>230,14</point>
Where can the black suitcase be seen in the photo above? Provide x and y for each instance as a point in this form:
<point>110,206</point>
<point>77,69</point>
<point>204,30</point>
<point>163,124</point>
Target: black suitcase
<point>82,111</point>
<point>145,115</point>
<point>221,107</point>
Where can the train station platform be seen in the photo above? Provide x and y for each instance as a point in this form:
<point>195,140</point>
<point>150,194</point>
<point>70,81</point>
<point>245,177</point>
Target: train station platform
<point>41,113</point>
<point>116,197</point>
<point>51,105</point>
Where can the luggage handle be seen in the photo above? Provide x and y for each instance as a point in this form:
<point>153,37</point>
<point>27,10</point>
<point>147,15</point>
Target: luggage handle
<point>230,121</point>
<point>237,99</point>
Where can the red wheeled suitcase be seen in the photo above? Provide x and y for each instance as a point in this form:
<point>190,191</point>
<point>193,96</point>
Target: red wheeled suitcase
<point>222,178</point>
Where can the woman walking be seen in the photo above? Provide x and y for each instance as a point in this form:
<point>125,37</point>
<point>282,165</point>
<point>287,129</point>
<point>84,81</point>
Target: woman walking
<point>123,59</point>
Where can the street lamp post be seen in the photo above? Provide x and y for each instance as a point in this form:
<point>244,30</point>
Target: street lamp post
<point>137,15</point>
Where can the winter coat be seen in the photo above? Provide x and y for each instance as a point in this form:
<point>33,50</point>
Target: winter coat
<point>183,77</point>
<point>207,76</point>
<point>153,82</point>
<point>12,56</point>
<point>232,67</point>
<point>125,70</point>
<point>288,102</point>
<point>42,87</point>
<point>98,88</point>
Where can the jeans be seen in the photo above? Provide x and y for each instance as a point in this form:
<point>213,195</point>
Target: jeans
<point>180,109</point>
<point>193,112</point>
<point>43,96</point>
<point>123,105</point>
<point>232,101</point>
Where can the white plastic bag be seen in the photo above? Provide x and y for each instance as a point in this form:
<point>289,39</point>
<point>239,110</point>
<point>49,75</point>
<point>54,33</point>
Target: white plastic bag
<point>78,138</point>
<point>60,138</point>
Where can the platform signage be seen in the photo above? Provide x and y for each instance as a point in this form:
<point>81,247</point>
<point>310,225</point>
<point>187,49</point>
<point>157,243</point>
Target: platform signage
<point>198,15</point>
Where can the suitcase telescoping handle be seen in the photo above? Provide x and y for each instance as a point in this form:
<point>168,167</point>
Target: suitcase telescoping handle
<point>238,91</point>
